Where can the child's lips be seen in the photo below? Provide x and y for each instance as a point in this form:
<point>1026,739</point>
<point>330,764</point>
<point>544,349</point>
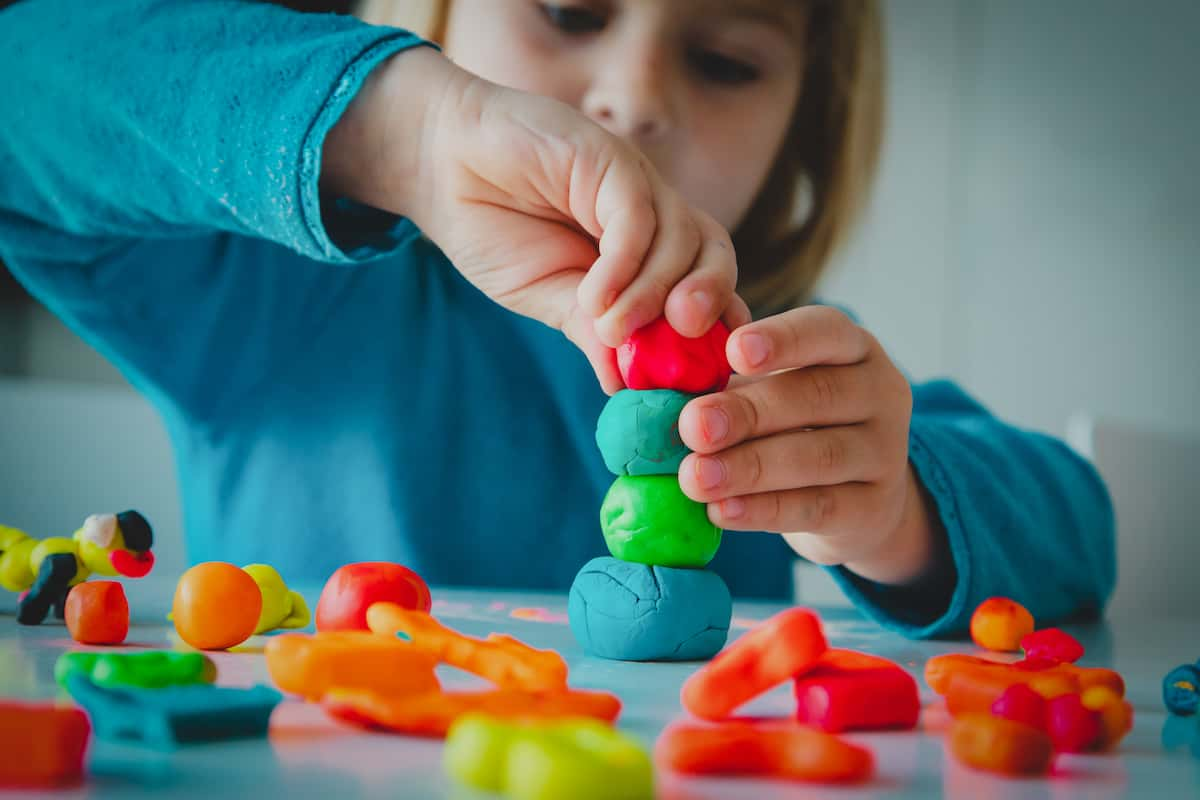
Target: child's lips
<point>130,564</point>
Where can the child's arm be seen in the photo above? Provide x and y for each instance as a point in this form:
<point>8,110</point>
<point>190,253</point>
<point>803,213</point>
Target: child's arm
<point>157,120</point>
<point>922,502</point>
<point>1023,515</point>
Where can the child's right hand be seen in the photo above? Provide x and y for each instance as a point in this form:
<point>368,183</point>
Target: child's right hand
<point>543,210</point>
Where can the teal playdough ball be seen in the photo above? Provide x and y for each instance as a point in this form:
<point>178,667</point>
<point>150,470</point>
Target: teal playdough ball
<point>637,612</point>
<point>648,519</point>
<point>638,432</point>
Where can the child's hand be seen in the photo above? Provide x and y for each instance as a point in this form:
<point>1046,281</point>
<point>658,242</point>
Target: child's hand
<point>815,441</point>
<point>543,210</point>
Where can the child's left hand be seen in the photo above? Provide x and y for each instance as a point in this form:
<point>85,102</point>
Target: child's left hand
<point>816,440</point>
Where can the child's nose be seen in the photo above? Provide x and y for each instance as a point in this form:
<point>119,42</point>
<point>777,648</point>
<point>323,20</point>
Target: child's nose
<point>632,100</point>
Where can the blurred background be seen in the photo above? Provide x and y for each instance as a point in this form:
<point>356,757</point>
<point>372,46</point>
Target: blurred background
<point>1033,235</point>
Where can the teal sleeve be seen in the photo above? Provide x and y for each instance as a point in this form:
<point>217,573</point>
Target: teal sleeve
<point>1023,516</point>
<point>128,120</point>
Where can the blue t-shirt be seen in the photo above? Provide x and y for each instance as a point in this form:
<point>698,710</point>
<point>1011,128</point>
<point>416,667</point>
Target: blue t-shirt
<point>334,390</point>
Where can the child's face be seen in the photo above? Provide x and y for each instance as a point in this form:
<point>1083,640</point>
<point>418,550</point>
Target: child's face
<point>705,88</point>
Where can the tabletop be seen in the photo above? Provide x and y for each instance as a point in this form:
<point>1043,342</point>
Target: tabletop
<point>306,754</point>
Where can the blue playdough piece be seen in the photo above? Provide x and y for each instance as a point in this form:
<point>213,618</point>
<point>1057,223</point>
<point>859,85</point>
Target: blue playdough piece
<point>165,718</point>
<point>636,612</point>
<point>638,432</point>
<point>1181,689</point>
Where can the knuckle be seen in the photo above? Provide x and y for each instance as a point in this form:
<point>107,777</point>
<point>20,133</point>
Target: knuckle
<point>822,509</point>
<point>772,511</point>
<point>830,455</point>
<point>748,412</point>
<point>822,391</point>
<point>832,320</point>
<point>753,467</point>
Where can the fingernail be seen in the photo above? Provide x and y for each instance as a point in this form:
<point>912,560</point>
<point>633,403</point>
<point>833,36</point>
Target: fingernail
<point>714,424</point>
<point>754,347</point>
<point>709,472</point>
<point>702,300</point>
<point>732,508</point>
<point>633,321</point>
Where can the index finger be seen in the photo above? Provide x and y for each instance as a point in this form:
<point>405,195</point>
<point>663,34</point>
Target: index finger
<point>802,337</point>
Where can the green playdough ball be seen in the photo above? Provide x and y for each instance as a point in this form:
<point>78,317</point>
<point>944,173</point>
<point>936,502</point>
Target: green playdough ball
<point>638,432</point>
<point>648,519</point>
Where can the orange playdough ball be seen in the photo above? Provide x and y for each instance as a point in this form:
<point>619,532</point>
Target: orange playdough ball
<point>216,606</point>
<point>1000,624</point>
<point>97,613</point>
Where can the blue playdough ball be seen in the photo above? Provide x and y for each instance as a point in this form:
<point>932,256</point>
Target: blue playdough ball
<point>638,432</point>
<point>1181,689</point>
<point>637,612</point>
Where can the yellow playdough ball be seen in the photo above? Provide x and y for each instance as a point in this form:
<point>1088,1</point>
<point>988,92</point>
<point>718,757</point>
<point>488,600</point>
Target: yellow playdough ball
<point>216,606</point>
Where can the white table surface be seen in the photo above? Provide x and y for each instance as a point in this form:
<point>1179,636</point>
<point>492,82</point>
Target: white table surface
<point>309,755</point>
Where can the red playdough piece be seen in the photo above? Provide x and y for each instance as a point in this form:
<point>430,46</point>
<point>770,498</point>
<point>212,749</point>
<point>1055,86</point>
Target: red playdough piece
<point>1021,704</point>
<point>352,589</point>
<point>41,745</point>
<point>851,691</point>
<point>782,647</point>
<point>657,357</point>
<point>738,748</point>
<point>1073,727</point>
<point>97,613</point>
<point>1051,644</point>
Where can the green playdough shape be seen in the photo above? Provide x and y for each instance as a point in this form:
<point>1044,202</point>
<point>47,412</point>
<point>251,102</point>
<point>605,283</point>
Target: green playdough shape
<point>648,519</point>
<point>638,432</point>
<point>152,669</point>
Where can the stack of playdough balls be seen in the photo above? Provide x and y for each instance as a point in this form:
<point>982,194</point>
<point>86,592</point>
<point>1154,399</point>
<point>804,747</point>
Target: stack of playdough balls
<point>653,600</point>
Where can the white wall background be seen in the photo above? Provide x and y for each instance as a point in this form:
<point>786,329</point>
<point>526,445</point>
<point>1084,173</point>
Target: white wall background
<point>1034,234</point>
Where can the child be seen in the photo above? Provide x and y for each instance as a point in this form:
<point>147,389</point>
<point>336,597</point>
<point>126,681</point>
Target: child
<point>227,200</point>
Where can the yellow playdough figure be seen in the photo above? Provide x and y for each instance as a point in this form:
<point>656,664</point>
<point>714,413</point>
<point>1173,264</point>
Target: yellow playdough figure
<point>106,544</point>
<point>281,607</point>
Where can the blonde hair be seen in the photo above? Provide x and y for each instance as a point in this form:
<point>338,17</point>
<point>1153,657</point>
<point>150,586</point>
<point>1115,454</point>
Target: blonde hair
<point>823,172</point>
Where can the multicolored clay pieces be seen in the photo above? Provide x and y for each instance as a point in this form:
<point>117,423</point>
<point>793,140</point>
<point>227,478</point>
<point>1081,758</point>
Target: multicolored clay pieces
<point>667,608</point>
<point>1012,718</point>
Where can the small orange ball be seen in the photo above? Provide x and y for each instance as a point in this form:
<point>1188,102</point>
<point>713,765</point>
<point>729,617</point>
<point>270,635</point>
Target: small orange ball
<point>216,606</point>
<point>97,613</point>
<point>1000,624</point>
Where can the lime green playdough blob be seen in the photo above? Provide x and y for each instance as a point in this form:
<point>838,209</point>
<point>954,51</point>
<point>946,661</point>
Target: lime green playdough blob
<point>152,669</point>
<point>638,432</point>
<point>582,759</point>
<point>648,519</point>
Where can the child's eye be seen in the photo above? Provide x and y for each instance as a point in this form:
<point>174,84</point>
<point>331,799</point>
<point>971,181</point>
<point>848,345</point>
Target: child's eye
<point>713,66</point>
<point>574,20</point>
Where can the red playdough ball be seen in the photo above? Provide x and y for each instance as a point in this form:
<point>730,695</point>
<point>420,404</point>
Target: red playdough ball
<point>1021,704</point>
<point>1073,727</point>
<point>352,589</point>
<point>657,357</point>
<point>97,613</point>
